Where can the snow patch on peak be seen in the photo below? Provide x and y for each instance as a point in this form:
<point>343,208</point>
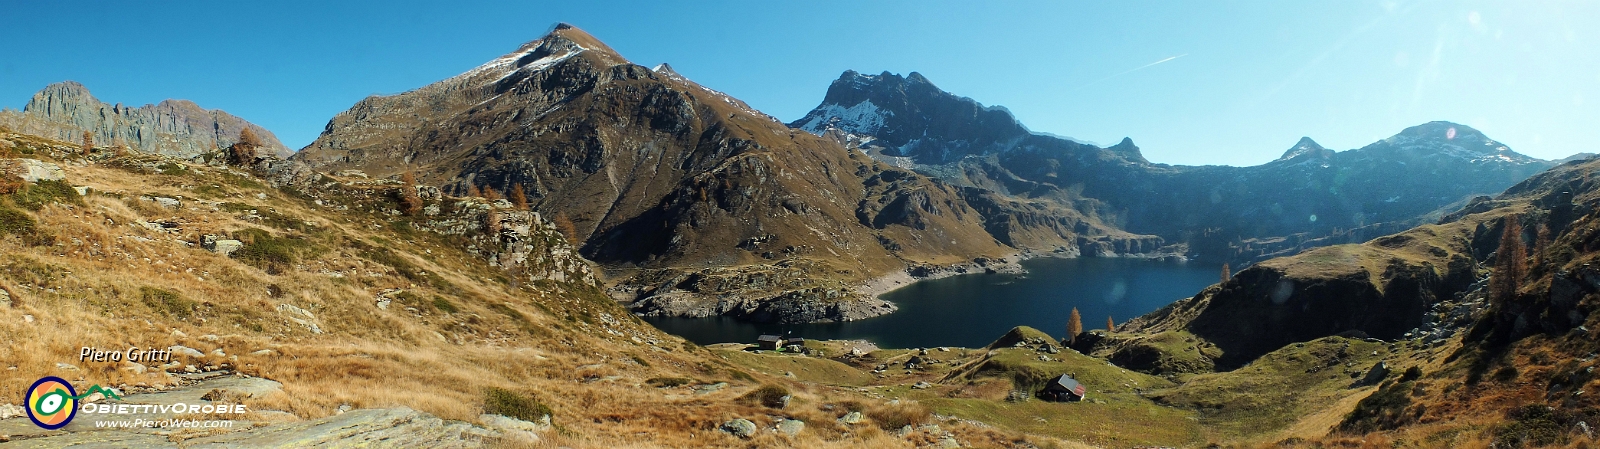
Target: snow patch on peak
<point>864,118</point>
<point>558,49</point>
<point>540,64</point>
<point>1304,147</point>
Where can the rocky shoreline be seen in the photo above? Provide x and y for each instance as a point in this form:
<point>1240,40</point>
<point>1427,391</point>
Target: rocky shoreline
<point>798,291</point>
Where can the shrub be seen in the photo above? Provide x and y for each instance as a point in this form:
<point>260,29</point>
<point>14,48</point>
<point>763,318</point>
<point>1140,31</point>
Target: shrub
<point>10,184</point>
<point>17,222</point>
<point>895,416</point>
<point>505,402</point>
<point>668,382</point>
<point>45,192</point>
<point>741,375</point>
<point>769,395</point>
<point>1412,373</point>
<point>263,250</point>
<point>1535,425</point>
<point>167,301</point>
<point>443,305</point>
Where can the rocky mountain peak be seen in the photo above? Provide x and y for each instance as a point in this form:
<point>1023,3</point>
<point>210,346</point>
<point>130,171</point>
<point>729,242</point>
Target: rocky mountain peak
<point>1450,140</point>
<point>179,128</point>
<point>910,116</point>
<point>1127,149</point>
<point>566,36</point>
<point>1305,147</point>
<point>65,92</point>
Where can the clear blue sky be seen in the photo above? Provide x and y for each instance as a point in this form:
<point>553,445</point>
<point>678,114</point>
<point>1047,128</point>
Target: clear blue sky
<point>1249,78</point>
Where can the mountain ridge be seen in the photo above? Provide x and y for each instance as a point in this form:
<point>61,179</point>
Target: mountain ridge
<point>1311,196</point>
<point>173,127</point>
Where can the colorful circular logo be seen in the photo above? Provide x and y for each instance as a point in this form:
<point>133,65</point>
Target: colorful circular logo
<point>50,403</point>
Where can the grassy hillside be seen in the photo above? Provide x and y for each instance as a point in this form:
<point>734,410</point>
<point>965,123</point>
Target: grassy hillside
<point>352,304</point>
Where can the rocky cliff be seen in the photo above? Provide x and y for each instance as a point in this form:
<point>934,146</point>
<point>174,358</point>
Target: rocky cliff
<point>177,128</point>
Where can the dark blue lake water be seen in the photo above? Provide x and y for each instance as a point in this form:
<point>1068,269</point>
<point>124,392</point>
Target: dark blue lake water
<point>972,310</point>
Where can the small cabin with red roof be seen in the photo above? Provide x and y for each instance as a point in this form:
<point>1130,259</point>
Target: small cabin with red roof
<point>1063,388</point>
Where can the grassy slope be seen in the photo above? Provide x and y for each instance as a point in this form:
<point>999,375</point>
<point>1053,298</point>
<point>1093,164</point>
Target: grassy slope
<point>462,327</point>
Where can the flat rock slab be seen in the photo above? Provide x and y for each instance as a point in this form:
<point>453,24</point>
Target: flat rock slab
<point>32,170</point>
<point>395,427</point>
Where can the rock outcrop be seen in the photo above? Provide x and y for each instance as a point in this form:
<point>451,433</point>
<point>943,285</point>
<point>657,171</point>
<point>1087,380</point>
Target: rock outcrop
<point>177,128</point>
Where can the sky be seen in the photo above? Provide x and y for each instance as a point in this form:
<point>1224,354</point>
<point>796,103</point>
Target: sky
<point>1221,82</point>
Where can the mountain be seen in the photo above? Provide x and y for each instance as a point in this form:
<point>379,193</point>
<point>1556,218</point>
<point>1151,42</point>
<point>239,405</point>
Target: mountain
<point>178,128</point>
<point>688,195</point>
<point>1310,197</point>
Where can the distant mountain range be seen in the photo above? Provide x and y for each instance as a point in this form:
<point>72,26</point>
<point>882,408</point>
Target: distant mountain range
<point>178,128</point>
<point>1311,196</point>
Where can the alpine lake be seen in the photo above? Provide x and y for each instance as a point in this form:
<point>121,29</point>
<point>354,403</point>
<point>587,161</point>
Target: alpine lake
<point>972,310</point>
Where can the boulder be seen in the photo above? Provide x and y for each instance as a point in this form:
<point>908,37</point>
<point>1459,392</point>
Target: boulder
<point>8,411</point>
<point>850,418</point>
<point>1375,375</point>
<point>791,427</point>
<point>226,246</point>
<point>740,427</point>
<point>32,170</point>
<point>186,351</point>
<point>516,427</point>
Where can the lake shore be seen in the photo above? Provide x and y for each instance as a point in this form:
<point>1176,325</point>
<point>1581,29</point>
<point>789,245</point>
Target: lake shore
<point>1009,264</point>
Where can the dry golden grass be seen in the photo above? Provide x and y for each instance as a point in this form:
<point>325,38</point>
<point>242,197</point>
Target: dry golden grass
<point>562,345</point>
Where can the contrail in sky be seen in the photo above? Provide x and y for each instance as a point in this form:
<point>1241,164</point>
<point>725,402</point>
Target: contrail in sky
<point>1135,69</point>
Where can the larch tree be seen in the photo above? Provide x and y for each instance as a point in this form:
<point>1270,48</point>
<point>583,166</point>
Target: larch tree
<point>249,138</point>
<point>565,226</point>
<point>244,150</point>
<point>1510,262</point>
<point>1074,326</point>
<point>88,142</point>
<point>490,194</point>
<point>410,200</point>
<point>473,192</point>
<point>1111,325</point>
<point>518,198</point>
<point>1227,273</point>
